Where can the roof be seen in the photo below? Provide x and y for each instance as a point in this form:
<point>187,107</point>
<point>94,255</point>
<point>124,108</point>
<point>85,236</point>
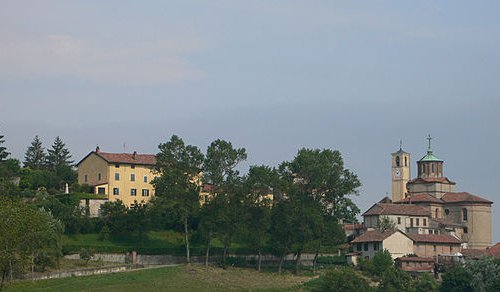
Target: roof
<point>431,180</point>
<point>430,157</point>
<point>415,259</point>
<point>396,209</point>
<point>374,236</point>
<point>493,251</point>
<point>126,158</point>
<point>420,198</point>
<point>353,226</point>
<point>463,197</point>
<point>434,238</point>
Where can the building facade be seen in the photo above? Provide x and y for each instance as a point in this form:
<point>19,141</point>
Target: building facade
<point>119,176</point>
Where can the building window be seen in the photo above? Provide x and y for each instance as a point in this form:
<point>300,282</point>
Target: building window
<point>101,191</point>
<point>117,165</point>
<point>436,211</point>
<point>117,176</point>
<point>375,246</point>
<point>434,248</point>
<point>358,247</point>
<point>425,221</point>
<point>464,214</point>
<point>399,220</point>
<point>407,264</point>
<point>132,166</point>
<point>99,176</point>
<point>466,230</point>
<point>132,177</point>
<point>365,247</point>
<point>451,249</point>
<point>145,192</point>
<point>415,264</point>
<point>397,161</point>
<point>133,192</point>
<point>417,221</point>
<point>86,178</point>
<point>411,222</point>
<point>447,211</point>
<point>145,179</point>
<point>116,191</point>
<point>432,167</point>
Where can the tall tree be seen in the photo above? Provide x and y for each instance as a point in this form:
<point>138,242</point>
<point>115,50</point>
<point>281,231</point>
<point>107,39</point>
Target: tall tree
<point>220,169</point>
<point>35,155</point>
<point>179,167</point>
<point>3,150</point>
<point>59,155</point>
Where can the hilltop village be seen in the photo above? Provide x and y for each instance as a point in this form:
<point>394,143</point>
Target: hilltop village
<point>426,216</point>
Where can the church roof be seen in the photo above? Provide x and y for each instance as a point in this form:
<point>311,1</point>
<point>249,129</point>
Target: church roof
<point>463,197</point>
<point>430,157</point>
<point>420,198</point>
<point>431,180</point>
<point>396,209</point>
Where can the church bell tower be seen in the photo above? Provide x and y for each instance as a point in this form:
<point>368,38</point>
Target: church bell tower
<point>400,173</point>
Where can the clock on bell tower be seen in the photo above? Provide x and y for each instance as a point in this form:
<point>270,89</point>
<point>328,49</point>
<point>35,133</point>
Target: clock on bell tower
<point>400,173</point>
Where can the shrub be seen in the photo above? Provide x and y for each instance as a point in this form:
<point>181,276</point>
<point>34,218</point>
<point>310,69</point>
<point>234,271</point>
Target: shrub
<point>86,254</point>
<point>456,279</point>
<point>343,279</point>
<point>394,279</point>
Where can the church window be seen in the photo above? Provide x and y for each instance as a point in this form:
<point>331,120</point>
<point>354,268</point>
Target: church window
<point>466,230</point>
<point>411,222</point>
<point>436,211</point>
<point>397,161</point>
<point>434,248</point>
<point>425,221</point>
<point>417,221</point>
<point>464,214</point>
<point>399,220</point>
<point>432,167</point>
<point>406,161</point>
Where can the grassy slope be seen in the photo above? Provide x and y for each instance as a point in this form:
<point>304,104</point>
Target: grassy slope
<point>180,278</point>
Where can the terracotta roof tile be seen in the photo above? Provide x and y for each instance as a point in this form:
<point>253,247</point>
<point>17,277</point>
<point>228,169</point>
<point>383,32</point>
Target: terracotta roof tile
<point>353,226</point>
<point>473,253</point>
<point>494,251</point>
<point>434,238</point>
<point>420,198</point>
<point>431,180</point>
<point>415,259</point>
<point>396,209</point>
<point>373,236</point>
<point>463,197</point>
<point>128,158</point>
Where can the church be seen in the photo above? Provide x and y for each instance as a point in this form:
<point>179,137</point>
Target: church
<point>426,216</point>
<point>464,215</point>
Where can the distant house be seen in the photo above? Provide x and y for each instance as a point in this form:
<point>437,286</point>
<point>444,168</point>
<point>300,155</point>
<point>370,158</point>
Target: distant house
<point>432,245</point>
<point>118,176</point>
<point>373,241</point>
<point>493,251</point>
<point>415,264</point>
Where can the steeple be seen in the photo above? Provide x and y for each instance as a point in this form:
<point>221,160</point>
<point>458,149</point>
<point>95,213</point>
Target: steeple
<point>430,155</point>
<point>400,173</point>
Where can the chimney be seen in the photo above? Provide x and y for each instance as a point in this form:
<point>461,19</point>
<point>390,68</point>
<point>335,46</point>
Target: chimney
<point>134,154</point>
<point>97,149</point>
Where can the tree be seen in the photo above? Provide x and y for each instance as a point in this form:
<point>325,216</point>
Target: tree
<point>281,232</point>
<point>457,279</point>
<point>343,279</point>
<point>34,157</point>
<point>114,215</point>
<point>219,169</point>
<point>59,155</point>
<point>138,220</point>
<point>394,279</point>
<point>179,167</point>
<point>27,234</point>
<point>484,273</point>
<point>426,283</point>
<point>385,223</point>
<point>382,261</point>
<point>3,150</point>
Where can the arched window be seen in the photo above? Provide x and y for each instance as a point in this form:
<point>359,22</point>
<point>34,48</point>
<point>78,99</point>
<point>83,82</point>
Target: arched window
<point>436,213</point>
<point>432,167</point>
<point>397,161</point>
<point>406,161</point>
<point>464,214</point>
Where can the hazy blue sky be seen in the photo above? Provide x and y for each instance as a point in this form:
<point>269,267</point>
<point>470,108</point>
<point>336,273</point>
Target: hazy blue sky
<point>271,76</point>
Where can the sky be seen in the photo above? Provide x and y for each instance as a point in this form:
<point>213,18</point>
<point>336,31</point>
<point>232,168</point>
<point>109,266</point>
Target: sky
<point>270,76</point>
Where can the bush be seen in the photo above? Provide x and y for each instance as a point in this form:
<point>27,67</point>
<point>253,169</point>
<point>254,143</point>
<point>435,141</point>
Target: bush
<point>332,260</point>
<point>394,279</point>
<point>86,254</point>
<point>343,279</point>
<point>456,279</point>
<point>426,283</point>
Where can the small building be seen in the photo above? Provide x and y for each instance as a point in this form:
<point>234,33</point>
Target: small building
<point>432,245</point>
<point>407,218</point>
<point>415,264</point>
<point>373,241</point>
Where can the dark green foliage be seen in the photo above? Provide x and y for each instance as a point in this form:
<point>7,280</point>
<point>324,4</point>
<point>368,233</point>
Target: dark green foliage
<point>342,279</point>
<point>86,255</point>
<point>456,279</point>
<point>394,279</point>
<point>34,157</point>
<point>59,155</point>
<point>114,216</point>
<point>332,260</point>
<point>221,161</point>
<point>3,150</point>
<point>426,283</point>
<point>484,273</point>
<point>376,266</point>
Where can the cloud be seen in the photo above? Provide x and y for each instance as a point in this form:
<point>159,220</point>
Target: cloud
<point>135,63</point>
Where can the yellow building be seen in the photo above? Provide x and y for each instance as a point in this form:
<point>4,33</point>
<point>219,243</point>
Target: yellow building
<point>119,176</point>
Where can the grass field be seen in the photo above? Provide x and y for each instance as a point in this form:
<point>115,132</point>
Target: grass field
<point>179,278</point>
